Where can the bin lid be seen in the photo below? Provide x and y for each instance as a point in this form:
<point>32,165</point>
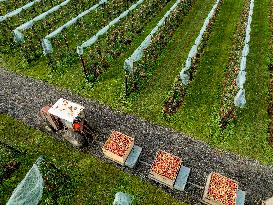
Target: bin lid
<point>66,110</point>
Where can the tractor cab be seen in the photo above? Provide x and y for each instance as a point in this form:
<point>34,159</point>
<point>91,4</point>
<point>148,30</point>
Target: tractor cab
<point>68,119</point>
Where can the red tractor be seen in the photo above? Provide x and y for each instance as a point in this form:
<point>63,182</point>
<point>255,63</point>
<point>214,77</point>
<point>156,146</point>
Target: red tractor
<point>67,119</point>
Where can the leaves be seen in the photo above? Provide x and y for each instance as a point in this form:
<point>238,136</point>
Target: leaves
<point>144,68</point>
<point>119,38</point>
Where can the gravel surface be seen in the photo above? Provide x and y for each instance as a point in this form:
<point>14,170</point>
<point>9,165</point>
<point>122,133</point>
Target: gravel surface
<point>22,97</point>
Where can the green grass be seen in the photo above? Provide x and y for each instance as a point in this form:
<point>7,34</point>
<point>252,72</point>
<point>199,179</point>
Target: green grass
<point>253,121</point>
<point>93,181</point>
<point>9,6</point>
<point>200,113</point>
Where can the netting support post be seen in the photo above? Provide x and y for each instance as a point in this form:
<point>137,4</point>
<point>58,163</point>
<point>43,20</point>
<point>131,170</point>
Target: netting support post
<point>50,62</point>
<point>84,68</point>
<point>126,84</point>
<point>34,9</point>
<point>103,9</point>
<point>66,42</point>
<point>9,27</point>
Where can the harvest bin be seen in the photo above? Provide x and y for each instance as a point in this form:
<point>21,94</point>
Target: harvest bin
<point>268,202</point>
<point>220,190</point>
<point>121,149</point>
<point>167,169</point>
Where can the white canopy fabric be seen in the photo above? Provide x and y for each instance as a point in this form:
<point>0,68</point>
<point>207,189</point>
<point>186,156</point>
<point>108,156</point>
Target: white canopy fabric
<point>66,110</point>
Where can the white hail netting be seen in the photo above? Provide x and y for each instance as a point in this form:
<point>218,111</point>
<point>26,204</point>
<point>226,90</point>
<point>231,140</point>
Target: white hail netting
<point>94,38</point>
<point>239,99</point>
<point>138,53</point>
<point>30,189</point>
<point>122,199</point>
<point>46,43</point>
<point>184,74</point>
<point>19,36</point>
<point>17,11</point>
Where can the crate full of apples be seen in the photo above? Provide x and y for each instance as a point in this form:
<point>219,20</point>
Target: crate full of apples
<point>220,190</point>
<point>118,146</point>
<point>165,168</point>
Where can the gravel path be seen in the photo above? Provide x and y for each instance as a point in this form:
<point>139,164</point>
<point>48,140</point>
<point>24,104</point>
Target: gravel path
<point>22,97</point>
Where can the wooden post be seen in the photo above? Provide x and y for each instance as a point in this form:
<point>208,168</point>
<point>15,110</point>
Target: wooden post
<point>34,10</point>
<point>103,10</point>
<point>84,68</point>
<point>126,84</point>
<point>8,26</point>
<point>94,74</point>
<point>50,62</point>
<point>66,42</point>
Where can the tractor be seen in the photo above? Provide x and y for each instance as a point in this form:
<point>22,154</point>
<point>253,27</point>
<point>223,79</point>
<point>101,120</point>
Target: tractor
<point>67,120</point>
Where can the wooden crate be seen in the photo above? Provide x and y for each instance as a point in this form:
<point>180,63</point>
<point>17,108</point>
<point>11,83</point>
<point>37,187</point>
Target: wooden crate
<point>160,177</point>
<point>119,159</point>
<point>205,196</point>
<point>268,202</point>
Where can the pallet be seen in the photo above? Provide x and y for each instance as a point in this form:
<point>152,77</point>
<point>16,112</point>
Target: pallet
<point>131,159</point>
<point>116,158</point>
<point>159,181</point>
<point>268,201</point>
<point>240,199</point>
<point>162,179</point>
<point>179,183</point>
